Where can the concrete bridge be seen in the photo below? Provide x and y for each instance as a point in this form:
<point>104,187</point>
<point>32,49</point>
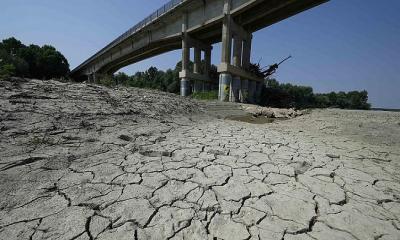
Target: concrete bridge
<point>197,24</point>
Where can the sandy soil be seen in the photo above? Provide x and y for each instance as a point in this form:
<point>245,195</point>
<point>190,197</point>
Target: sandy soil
<point>86,162</point>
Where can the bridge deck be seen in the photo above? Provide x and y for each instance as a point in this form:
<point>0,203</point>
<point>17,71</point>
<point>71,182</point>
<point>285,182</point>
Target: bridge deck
<point>168,7</point>
<point>161,31</point>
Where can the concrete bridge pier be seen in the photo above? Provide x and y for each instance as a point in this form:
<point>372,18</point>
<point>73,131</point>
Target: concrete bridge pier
<point>197,80</point>
<point>237,62</point>
<point>225,77</point>
<point>244,91</point>
<point>225,80</point>
<point>234,70</point>
<point>185,81</point>
<point>259,86</point>
<point>185,87</point>
<point>89,78</point>
<point>252,92</point>
<point>234,89</point>
<point>92,78</point>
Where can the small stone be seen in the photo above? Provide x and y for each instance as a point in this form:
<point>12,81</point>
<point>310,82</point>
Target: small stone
<point>332,155</point>
<point>125,138</point>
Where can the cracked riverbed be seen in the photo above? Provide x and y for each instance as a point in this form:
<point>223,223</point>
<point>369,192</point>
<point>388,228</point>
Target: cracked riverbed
<point>86,162</point>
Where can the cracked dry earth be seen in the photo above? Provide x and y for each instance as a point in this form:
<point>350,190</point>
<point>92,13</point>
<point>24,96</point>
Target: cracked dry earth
<point>86,162</point>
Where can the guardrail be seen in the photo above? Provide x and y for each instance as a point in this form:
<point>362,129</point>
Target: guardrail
<point>155,15</point>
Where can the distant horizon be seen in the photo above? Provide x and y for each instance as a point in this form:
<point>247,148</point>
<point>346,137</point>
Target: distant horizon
<point>338,46</point>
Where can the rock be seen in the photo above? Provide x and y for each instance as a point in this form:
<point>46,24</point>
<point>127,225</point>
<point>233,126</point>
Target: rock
<point>332,155</point>
<point>125,138</point>
<point>223,227</point>
<point>273,112</point>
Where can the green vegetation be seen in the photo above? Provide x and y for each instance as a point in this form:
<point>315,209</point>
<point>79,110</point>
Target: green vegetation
<point>349,100</point>
<point>7,70</point>
<point>274,94</point>
<point>17,59</point>
<point>41,141</point>
<point>107,80</point>
<point>280,95</point>
<point>153,78</point>
<point>210,95</point>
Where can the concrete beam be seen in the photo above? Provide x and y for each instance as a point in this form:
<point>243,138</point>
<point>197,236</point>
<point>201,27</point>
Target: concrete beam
<point>197,60</point>
<point>197,44</point>
<point>247,52</point>
<point>236,71</point>
<point>244,91</point>
<point>194,76</point>
<point>235,89</point>
<point>226,40</point>
<point>237,51</point>
<point>239,30</point>
<point>207,56</point>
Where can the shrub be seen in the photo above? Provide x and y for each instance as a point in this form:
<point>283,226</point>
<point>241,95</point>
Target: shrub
<point>7,70</point>
<point>210,95</point>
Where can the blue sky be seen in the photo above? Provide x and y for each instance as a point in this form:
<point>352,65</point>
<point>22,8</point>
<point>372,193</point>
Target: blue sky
<point>342,45</point>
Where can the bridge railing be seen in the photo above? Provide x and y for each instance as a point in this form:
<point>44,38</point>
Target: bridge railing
<point>155,15</point>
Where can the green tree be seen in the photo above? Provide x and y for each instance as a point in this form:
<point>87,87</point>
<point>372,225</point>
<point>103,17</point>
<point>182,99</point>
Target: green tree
<point>121,78</point>
<point>12,45</point>
<point>7,70</point>
<point>51,63</point>
<point>33,61</point>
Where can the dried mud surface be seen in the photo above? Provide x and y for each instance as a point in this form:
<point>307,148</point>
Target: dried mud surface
<point>86,162</point>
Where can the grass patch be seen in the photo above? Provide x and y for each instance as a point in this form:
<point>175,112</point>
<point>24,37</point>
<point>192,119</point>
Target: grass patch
<point>41,141</point>
<point>210,95</point>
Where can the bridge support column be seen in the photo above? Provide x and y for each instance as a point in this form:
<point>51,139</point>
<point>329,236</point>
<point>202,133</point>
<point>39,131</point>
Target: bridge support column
<point>197,85</point>
<point>237,62</point>
<point>185,82</point>
<point>224,86</point>
<point>252,91</point>
<point>235,79</point>
<point>244,91</point>
<point>259,86</point>
<point>197,80</point>
<point>94,78</point>
<point>245,65</point>
<point>225,78</point>
<point>235,87</point>
<point>185,87</point>
<point>207,68</point>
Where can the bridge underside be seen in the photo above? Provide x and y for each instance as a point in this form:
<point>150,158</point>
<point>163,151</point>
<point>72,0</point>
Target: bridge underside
<point>199,24</point>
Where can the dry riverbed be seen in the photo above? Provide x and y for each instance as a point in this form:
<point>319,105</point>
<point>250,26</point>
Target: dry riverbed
<point>86,162</point>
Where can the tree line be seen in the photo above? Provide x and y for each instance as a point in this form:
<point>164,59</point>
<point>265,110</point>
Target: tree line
<point>153,78</point>
<point>274,94</point>
<point>286,95</point>
<point>33,61</point>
